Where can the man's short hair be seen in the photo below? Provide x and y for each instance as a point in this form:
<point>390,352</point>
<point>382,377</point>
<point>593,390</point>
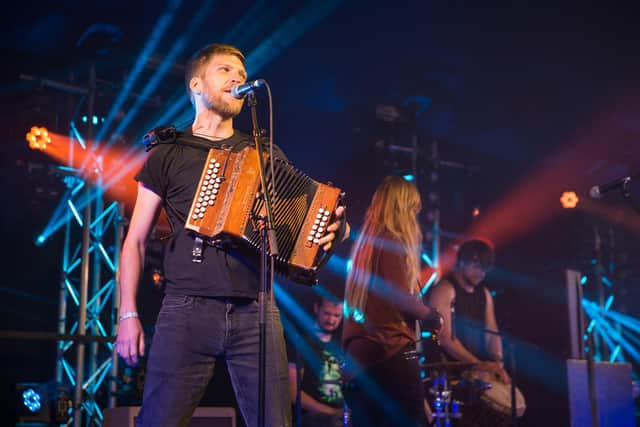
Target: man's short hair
<point>201,57</point>
<point>321,295</point>
<point>476,250</point>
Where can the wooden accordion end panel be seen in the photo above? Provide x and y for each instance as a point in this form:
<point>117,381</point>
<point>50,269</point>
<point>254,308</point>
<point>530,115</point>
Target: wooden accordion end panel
<point>225,207</point>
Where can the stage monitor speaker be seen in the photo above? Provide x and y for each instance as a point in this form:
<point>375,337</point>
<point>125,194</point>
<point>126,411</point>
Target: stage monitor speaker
<point>124,416</point>
<point>614,394</point>
<point>575,320</point>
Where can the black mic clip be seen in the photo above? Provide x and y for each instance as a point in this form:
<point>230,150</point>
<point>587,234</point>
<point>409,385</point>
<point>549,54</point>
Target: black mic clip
<point>597,191</point>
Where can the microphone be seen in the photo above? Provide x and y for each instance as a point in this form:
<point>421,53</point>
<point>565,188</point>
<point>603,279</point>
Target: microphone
<point>240,91</point>
<point>597,191</point>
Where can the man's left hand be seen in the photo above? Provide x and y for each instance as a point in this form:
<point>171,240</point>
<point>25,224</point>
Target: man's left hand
<point>327,241</point>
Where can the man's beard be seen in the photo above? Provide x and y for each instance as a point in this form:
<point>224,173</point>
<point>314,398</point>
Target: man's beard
<point>217,104</point>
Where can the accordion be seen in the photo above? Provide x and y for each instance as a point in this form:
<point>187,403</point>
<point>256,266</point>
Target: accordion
<point>225,208</point>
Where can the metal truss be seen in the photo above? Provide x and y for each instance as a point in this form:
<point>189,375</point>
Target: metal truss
<point>607,332</point>
<point>88,293</point>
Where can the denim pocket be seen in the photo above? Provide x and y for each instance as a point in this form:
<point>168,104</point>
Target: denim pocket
<point>176,302</point>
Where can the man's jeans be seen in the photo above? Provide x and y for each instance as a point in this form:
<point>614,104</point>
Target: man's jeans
<point>191,332</point>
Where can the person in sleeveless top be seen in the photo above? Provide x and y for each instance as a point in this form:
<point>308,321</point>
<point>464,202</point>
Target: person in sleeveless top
<point>468,311</point>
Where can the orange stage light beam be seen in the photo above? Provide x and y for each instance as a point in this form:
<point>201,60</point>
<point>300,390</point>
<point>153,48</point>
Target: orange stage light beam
<point>108,163</point>
<point>533,201</point>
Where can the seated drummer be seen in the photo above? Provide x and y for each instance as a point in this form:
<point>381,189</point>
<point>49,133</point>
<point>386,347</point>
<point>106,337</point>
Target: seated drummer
<point>467,308</point>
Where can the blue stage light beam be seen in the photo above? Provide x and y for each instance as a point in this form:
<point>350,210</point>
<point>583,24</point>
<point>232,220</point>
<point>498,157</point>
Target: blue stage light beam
<point>159,29</point>
<point>624,319</point>
<point>292,29</point>
<point>176,49</point>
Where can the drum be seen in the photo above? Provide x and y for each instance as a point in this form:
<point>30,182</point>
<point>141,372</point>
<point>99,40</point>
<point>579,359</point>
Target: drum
<point>497,395</point>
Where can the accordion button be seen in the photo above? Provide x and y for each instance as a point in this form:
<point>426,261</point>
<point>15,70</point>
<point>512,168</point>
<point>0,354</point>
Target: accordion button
<point>201,214</point>
<point>217,164</point>
<point>207,176</point>
<point>320,229</point>
<point>200,199</point>
<point>202,193</point>
<point>319,216</point>
<point>214,191</point>
<point>198,204</point>
<point>314,226</point>
<point>215,170</point>
<point>325,218</point>
<point>322,223</point>
<point>317,221</point>
<point>316,241</point>
<point>320,210</point>
<point>211,202</point>
<point>195,216</point>
<point>310,238</point>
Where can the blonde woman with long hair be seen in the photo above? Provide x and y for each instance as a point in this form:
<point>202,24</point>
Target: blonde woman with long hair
<point>382,303</point>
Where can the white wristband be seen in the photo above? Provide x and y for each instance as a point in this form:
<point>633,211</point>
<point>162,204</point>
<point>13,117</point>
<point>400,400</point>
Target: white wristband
<point>127,315</point>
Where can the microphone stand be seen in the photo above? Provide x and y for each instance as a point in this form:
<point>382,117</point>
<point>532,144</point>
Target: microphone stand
<point>267,240</point>
<point>626,193</point>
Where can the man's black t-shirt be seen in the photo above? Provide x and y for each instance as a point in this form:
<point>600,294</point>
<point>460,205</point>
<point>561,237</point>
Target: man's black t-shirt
<point>322,362</point>
<point>172,171</point>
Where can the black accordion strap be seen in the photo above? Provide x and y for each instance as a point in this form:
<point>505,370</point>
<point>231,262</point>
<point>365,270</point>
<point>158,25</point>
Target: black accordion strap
<point>169,135</point>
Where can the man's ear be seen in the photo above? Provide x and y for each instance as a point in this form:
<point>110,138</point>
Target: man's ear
<point>195,84</point>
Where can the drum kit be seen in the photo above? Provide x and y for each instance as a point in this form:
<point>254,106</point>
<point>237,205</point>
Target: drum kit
<point>461,394</point>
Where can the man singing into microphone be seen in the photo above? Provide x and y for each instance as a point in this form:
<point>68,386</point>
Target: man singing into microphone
<point>210,310</point>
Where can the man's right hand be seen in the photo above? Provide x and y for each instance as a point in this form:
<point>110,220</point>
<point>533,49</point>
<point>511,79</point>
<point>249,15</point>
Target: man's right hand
<point>497,370</point>
<point>130,340</point>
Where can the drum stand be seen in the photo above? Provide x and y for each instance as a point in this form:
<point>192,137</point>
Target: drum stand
<point>445,408</point>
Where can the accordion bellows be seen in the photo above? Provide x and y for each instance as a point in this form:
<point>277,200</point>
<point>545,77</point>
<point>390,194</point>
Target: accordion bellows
<point>225,208</point>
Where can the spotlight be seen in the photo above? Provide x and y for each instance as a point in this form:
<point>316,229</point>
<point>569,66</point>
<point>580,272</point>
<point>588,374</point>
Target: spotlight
<point>44,404</point>
<point>476,212</point>
<point>38,138</point>
<point>32,400</point>
<point>34,406</point>
<point>569,200</point>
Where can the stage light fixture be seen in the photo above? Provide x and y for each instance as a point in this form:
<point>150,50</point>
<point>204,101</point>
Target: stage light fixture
<point>476,212</point>
<point>408,177</point>
<point>38,138</point>
<point>32,400</point>
<point>44,404</point>
<point>569,200</point>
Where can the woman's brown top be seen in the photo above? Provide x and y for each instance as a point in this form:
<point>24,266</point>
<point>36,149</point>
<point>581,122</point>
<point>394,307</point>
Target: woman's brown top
<point>390,312</point>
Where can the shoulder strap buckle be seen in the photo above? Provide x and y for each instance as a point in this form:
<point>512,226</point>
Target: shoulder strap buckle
<point>160,135</point>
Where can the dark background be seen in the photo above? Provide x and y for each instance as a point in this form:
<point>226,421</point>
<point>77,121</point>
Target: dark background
<point>526,101</point>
